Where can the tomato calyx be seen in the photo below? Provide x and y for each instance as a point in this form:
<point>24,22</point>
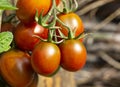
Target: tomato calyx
<point>43,20</point>
<point>49,21</point>
<point>71,34</point>
<point>68,9</point>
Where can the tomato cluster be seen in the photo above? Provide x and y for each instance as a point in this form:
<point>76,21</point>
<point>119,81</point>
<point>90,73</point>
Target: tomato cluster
<point>42,47</point>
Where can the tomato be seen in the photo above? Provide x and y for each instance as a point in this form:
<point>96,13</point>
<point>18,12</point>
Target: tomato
<point>73,21</point>
<point>73,55</point>
<point>55,72</point>
<point>27,9</point>
<point>45,58</point>
<point>16,68</point>
<point>7,27</point>
<point>23,35</point>
<point>58,2</point>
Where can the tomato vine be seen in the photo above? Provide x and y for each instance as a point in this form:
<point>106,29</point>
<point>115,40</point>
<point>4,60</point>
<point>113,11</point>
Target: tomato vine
<point>45,35</point>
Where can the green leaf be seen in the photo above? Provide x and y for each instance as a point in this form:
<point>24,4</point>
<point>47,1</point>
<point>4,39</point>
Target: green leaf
<point>5,41</point>
<point>5,5</point>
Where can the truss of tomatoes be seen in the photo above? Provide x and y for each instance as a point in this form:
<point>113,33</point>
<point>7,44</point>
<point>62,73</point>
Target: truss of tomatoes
<point>20,66</point>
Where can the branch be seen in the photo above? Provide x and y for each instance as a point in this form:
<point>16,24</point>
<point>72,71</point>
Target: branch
<point>109,59</point>
<point>82,3</point>
<point>92,6</point>
<point>107,36</point>
<point>89,25</point>
<point>108,19</point>
<point>104,47</point>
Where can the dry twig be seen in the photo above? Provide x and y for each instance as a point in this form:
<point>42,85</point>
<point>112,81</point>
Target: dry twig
<point>92,6</point>
<point>108,19</point>
<point>104,47</point>
<point>109,59</point>
<point>111,27</point>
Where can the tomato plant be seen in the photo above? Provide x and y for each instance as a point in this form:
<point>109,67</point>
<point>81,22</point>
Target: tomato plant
<point>24,35</point>
<point>16,68</point>
<point>45,58</point>
<point>26,12</point>
<point>73,21</point>
<point>73,55</point>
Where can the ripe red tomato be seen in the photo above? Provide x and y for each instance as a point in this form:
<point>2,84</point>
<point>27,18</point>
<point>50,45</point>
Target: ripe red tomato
<point>73,21</point>
<point>73,55</point>
<point>16,68</point>
<point>58,2</point>
<point>45,58</point>
<point>23,35</point>
<point>27,9</point>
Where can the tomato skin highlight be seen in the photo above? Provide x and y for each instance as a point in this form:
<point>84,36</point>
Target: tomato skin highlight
<point>73,55</point>
<point>73,21</point>
<point>45,58</point>
<point>26,12</point>
<point>23,35</point>
<point>27,9</point>
<point>16,68</point>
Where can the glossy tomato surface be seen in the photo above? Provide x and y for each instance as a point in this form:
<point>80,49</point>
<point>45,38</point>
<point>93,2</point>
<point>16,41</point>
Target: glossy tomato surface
<point>24,35</point>
<point>73,55</point>
<point>27,9</point>
<point>58,2</point>
<point>73,21</point>
<point>45,58</point>
<point>16,68</point>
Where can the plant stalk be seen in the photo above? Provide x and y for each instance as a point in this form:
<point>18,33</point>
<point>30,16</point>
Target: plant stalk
<point>0,19</point>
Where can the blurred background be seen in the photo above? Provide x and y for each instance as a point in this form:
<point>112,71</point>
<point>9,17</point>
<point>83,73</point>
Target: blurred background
<point>101,19</point>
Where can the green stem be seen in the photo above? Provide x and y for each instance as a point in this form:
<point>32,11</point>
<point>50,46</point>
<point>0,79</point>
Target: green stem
<point>49,35</point>
<point>64,3</point>
<point>76,5</point>
<point>45,20</point>
<point>62,23</point>
<point>52,30</point>
<point>82,35</point>
<point>70,5</point>
<point>65,7</point>
<point>0,19</point>
<point>70,33</point>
